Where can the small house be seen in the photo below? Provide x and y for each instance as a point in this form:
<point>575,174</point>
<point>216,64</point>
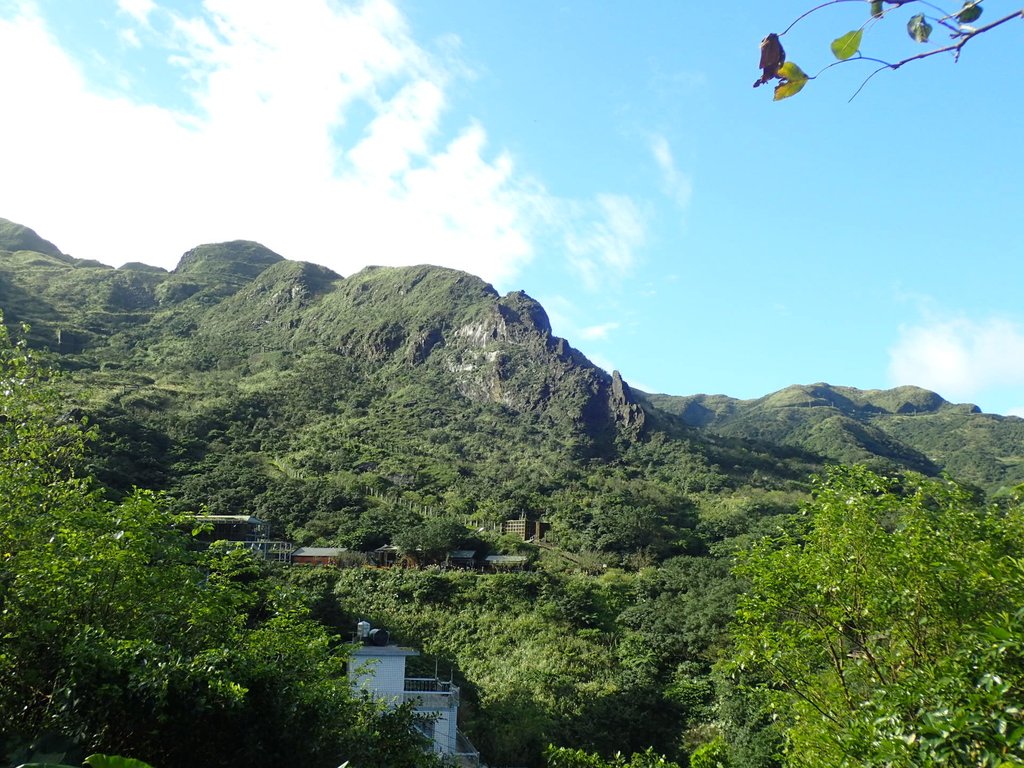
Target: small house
<point>506,562</point>
<point>462,558</point>
<point>317,555</point>
<point>385,556</point>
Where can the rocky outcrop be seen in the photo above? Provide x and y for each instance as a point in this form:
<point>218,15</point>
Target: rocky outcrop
<point>509,356</point>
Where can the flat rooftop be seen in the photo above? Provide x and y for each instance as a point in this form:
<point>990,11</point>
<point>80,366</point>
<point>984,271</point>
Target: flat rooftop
<point>384,650</point>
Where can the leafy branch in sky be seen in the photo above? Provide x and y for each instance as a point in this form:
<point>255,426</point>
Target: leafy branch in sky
<point>960,25</point>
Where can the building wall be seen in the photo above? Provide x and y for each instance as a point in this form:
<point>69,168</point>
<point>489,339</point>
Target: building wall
<point>312,560</point>
<point>383,676</point>
<point>444,731</point>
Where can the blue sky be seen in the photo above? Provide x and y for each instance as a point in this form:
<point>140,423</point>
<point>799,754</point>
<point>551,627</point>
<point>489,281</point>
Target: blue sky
<point>610,159</point>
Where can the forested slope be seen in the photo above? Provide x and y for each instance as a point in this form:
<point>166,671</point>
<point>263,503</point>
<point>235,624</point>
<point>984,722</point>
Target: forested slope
<point>416,406</point>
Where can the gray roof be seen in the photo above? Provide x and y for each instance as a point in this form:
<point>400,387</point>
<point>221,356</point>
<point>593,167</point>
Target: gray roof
<point>505,559</point>
<point>230,519</point>
<point>462,554</point>
<point>318,551</point>
<point>383,650</point>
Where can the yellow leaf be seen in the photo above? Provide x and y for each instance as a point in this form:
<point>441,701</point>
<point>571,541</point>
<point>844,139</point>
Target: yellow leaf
<point>790,71</point>
<point>789,88</point>
<point>793,81</point>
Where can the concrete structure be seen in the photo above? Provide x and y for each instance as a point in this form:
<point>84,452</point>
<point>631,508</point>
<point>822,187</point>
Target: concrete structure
<point>527,530</point>
<point>233,528</point>
<point>506,562</point>
<point>378,667</point>
<point>245,531</point>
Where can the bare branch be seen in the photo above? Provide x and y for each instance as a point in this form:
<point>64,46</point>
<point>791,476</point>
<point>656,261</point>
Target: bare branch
<point>952,47</point>
<point>967,36</point>
<point>866,79</point>
<point>816,8</point>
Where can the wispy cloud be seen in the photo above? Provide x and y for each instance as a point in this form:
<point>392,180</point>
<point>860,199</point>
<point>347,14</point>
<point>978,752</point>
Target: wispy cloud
<point>604,241</point>
<point>960,358</point>
<point>139,10</point>
<point>674,183</point>
<point>598,332</point>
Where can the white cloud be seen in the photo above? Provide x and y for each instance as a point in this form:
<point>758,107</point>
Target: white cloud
<point>603,243</point>
<point>675,184</point>
<point>601,362</point>
<point>137,9</point>
<point>130,38</point>
<point>959,358</point>
<point>598,332</point>
<point>317,129</point>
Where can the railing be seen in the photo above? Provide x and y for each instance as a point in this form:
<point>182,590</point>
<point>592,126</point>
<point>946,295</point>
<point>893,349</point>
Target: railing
<point>465,754</point>
<point>430,693</point>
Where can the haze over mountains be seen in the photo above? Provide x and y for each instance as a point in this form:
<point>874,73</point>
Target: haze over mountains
<point>422,380</point>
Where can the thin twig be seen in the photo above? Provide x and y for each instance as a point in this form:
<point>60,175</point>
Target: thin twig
<point>962,41</point>
<point>956,15</point>
<point>953,47</point>
<point>816,8</point>
<point>866,79</point>
<point>856,57</point>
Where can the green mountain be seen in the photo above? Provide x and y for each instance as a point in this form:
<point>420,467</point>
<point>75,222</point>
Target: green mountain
<point>345,409</point>
<point>417,406</point>
<point>906,426</point>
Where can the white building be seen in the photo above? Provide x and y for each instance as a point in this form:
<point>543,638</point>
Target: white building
<point>378,667</point>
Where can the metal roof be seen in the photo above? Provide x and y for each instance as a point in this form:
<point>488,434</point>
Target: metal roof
<point>318,551</point>
<point>230,519</point>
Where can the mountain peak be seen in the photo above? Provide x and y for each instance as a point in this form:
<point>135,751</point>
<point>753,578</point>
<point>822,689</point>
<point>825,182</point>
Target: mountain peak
<point>17,237</point>
<point>235,258</point>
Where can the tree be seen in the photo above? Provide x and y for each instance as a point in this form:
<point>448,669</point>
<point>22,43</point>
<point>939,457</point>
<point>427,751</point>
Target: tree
<point>564,757</point>
<point>117,635</point>
<point>890,632</point>
<point>431,540</point>
<point>959,23</point>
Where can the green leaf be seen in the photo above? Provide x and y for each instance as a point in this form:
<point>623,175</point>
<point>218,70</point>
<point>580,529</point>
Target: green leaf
<point>793,81</point>
<point>844,47</point>
<point>919,29</point>
<point>876,8</point>
<point>114,761</point>
<point>970,13</point>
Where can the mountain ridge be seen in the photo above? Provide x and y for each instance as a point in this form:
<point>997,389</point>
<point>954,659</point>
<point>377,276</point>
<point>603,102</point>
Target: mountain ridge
<point>238,312</point>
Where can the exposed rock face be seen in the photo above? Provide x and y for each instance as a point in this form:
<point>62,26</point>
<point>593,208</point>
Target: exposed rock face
<point>497,349</point>
<point>624,410</point>
<point>510,356</point>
